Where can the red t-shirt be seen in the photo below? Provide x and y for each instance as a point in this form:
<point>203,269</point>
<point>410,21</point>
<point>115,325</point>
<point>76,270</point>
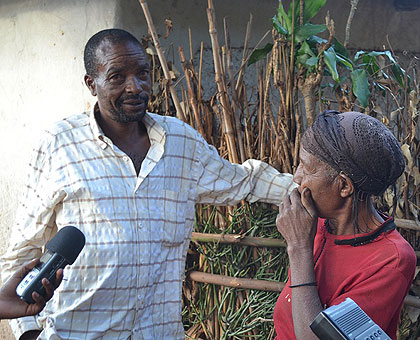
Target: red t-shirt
<point>375,275</point>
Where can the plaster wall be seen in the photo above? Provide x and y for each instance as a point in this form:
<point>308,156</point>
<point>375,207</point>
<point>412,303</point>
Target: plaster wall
<point>41,81</point>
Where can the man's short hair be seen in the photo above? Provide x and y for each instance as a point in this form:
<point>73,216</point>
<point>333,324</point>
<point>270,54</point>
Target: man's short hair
<point>113,35</point>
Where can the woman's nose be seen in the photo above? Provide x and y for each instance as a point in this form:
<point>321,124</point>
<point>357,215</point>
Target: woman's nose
<point>297,177</point>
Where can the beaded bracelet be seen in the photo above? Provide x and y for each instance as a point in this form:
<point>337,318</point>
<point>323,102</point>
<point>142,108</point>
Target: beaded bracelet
<point>303,284</point>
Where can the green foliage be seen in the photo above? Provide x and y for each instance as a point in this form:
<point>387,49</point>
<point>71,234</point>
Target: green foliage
<point>365,69</point>
<point>306,57</point>
<point>330,59</point>
<point>278,26</point>
<point>259,54</point>
<point>302,33</point>
<point>361,86</point>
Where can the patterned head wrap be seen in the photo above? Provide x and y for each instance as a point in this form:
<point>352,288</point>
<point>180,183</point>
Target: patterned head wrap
<point>360,146</point>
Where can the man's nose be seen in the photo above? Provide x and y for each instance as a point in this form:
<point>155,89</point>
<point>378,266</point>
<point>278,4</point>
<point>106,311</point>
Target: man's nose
<point>133,85</point>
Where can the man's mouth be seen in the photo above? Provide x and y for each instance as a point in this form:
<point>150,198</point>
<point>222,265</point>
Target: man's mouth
<point>133,102</point>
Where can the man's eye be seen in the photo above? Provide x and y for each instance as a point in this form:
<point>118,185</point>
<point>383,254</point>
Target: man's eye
<point>115,77</point>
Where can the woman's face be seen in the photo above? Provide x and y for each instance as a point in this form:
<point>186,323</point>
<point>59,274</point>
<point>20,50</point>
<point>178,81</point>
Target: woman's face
<point>318,177</point>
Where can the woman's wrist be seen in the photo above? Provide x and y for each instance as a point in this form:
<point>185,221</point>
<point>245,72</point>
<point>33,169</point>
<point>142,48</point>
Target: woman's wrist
<point>298,250</point>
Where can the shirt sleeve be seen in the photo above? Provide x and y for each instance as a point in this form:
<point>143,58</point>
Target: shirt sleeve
<point>223,183</point>
<point>34,225</point>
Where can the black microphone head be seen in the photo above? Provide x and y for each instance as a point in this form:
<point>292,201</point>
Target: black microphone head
<point>68,242</point>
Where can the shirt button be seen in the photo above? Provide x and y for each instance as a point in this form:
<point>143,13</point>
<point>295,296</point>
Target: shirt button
<point>126,159</point>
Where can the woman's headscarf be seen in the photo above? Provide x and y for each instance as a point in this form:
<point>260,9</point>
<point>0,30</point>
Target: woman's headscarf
<point>360,146</point>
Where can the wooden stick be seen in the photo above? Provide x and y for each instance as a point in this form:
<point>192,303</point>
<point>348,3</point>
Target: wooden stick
<point>179,111</point>
<point>244,240</point>
<point>407,224</point>
<point>239,239</point>
<point>349,20</point>
<point>236,282</point>
<point>269,286</point>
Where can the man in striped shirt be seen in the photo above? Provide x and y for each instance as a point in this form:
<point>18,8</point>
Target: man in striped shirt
<point>129,180</point>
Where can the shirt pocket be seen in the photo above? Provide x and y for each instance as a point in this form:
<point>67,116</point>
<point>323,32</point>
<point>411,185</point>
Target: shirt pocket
<point>173,215</point>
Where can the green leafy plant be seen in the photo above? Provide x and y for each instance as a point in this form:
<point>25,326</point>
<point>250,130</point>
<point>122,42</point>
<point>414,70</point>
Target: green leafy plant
<point>316,57</point>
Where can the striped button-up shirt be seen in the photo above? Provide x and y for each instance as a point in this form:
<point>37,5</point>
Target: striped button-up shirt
<point>127,281</point>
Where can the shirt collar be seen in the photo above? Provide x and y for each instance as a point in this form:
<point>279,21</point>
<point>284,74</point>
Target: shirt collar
<point>157,134</point>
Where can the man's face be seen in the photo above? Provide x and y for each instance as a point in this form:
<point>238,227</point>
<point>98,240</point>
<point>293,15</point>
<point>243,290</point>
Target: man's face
<point>122,83</point>
<point>312,174</point>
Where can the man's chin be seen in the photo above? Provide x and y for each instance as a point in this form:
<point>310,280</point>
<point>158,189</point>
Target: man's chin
<point>130,117</point>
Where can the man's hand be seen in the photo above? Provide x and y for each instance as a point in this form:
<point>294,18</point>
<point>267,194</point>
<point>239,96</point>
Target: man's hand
<point>11,306</point>
<point>297,220</point>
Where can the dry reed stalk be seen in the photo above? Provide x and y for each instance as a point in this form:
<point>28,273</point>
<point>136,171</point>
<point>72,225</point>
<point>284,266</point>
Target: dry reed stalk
<point>210,318</point>
<point>291,70</point>
<point>301,6</point>
<point>164,65</point>
<point>260,114</point>
<point>191,94</point>
<point>244,63</point>
<point>288,87</point>
<point>282,129</point>
<point>248,131</point>
<point>190,41</point>
<point>266,106</point>
<point>200,71</point>
<point>221,86</point>
<point>239,79</point>
<point>194,331</point>
<point>235,102</point>
<point>298,134</point>
<point>217,327</point>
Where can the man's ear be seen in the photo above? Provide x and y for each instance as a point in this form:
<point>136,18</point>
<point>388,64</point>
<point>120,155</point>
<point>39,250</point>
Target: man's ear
<point>346,185</point>
<point>90,83</point>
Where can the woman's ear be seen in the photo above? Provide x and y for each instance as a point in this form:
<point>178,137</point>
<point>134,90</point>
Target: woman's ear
<point>90,83</point>
<point>346,185</point>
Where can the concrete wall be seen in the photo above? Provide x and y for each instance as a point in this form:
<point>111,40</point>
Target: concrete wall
<point>42,68</point>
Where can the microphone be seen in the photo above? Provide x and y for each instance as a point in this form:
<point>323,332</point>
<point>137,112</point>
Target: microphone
<point>62,250</point>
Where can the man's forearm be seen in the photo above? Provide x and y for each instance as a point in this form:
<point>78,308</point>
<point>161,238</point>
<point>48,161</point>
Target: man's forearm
<point>305,299</point>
